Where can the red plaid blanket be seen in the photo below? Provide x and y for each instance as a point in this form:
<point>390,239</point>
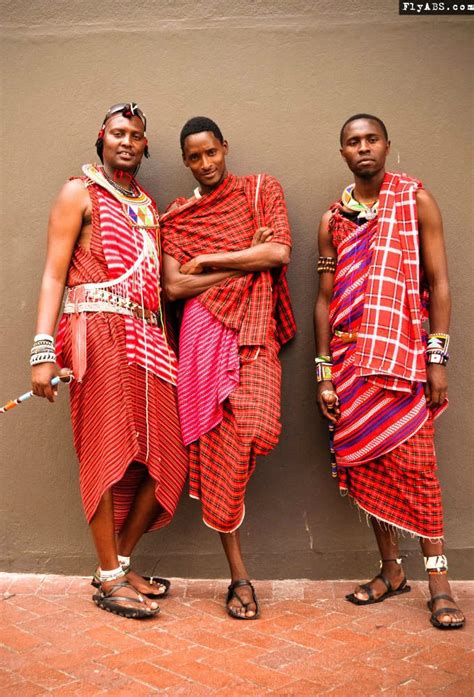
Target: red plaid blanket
<point>389,348</point>
<point>225,220</point>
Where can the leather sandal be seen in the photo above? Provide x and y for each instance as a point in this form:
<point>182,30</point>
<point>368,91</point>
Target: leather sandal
<point>112,603</point>
<point>232,593</point>
<point>457,624</point>
<point>150,579</point>
<point>367,588</point>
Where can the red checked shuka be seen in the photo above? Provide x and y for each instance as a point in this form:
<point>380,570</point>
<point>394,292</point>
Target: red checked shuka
<point>255,312</point>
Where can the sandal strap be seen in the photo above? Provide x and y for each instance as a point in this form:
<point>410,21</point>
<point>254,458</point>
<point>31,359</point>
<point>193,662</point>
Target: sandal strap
<point>232,591</point>
<point>117,586</point>
<point>386,581</point>
<point>367,588</point>
<point>240,583</point>
<point>445,611</point>
<point>244,605</point>
<point>399,560</point>
<point>441,596</point>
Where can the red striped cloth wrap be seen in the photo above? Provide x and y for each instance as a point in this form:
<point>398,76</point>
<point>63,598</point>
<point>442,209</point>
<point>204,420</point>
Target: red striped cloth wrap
<point>133,261</point>
<point>378,410</point>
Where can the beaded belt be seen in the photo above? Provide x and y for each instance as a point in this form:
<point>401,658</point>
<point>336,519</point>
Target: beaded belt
<point>80,299</point>
<point>346,337</point>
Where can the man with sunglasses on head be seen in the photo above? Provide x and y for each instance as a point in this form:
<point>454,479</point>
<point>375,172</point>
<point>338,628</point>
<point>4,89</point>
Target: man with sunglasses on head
<point>103,249</point>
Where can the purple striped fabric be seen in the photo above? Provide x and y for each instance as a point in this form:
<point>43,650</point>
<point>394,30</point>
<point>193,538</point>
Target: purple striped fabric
<point>374,420</point>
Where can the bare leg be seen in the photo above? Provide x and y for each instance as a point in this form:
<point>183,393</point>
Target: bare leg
<point>388,548</point>
<point>231,543</point>
<point>144,510</point>
<point>438,583</point>
<point>102,529</point>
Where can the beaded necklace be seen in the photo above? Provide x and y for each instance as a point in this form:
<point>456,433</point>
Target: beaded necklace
<point>133,193</point>
<point>364,211</point>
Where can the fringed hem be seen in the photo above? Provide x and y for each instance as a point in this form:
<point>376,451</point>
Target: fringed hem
<point>393,528</point>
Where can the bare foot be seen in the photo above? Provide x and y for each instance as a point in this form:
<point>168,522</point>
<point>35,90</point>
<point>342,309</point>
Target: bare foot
<point>128,591</point>
<point>242,602</point>
<point>392,571</point>
<point>144,586</point>
<point>438,583</point>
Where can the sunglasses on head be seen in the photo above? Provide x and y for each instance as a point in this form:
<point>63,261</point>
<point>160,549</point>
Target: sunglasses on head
<point>128,110</point>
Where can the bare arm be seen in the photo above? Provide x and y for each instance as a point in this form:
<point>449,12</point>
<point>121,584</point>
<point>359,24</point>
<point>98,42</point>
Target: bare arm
<point>322,330</point>
<point>65,224</point>
<point>435,265</point>
<point>179,286</point>
<point>255,258</point>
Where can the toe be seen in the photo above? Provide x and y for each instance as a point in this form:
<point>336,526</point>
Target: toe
<point>360,594</point>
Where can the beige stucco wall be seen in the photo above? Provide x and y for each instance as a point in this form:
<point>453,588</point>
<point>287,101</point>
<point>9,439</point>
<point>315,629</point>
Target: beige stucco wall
<point>279,78</point>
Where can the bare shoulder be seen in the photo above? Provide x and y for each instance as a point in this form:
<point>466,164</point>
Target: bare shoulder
<point>425,198</point>
<point>426,205</point>
<point>324,224</point>
<point>74,195</point>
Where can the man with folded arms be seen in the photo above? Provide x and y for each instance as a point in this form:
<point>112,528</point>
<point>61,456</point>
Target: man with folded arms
<point>226,250</point>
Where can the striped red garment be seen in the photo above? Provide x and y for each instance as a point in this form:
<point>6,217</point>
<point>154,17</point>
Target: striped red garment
<point>374,420</point>
<point>224,221</point>
<point>390,351</point>
<point>146,344</point>
<point>208,370</point>
<point>124,420</point>
<point>401,488</point>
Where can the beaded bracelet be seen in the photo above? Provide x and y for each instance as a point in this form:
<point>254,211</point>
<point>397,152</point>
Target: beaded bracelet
<point>437,349</point>
<point>323,368</point>
<point>42,350</point>
<point>326,264</point>
<point>49,357</point>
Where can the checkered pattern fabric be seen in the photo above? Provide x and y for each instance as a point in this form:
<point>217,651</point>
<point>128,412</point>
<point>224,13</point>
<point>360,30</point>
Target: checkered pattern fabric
<point>400,488</point>
<point>222,460</point>
<point>225,221</point>
<point>390,350</point>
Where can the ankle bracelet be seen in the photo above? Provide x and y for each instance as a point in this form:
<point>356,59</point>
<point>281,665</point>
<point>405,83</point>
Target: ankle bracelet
<point>123,561</point>
<point>110,574</point>
<point>399,561</point>
<point>437,564</point>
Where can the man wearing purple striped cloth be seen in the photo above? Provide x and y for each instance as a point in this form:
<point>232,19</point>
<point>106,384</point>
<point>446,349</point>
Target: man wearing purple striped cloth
<point>381,380</point>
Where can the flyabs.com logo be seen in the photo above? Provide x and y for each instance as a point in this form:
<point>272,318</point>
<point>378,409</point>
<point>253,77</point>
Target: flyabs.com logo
<point>435,8</point>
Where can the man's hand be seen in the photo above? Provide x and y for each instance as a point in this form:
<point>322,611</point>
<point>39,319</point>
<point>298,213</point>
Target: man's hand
<point>436,386</point>
<point>328,401</point>
<point>41,376</point>
<point>262,234</point>
<point>193,266</point>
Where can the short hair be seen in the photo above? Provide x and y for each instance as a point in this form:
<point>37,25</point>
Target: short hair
<point>369,117</point>
<point>199,124</point>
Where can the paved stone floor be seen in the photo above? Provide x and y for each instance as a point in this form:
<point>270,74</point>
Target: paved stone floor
<point>309,641</point>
